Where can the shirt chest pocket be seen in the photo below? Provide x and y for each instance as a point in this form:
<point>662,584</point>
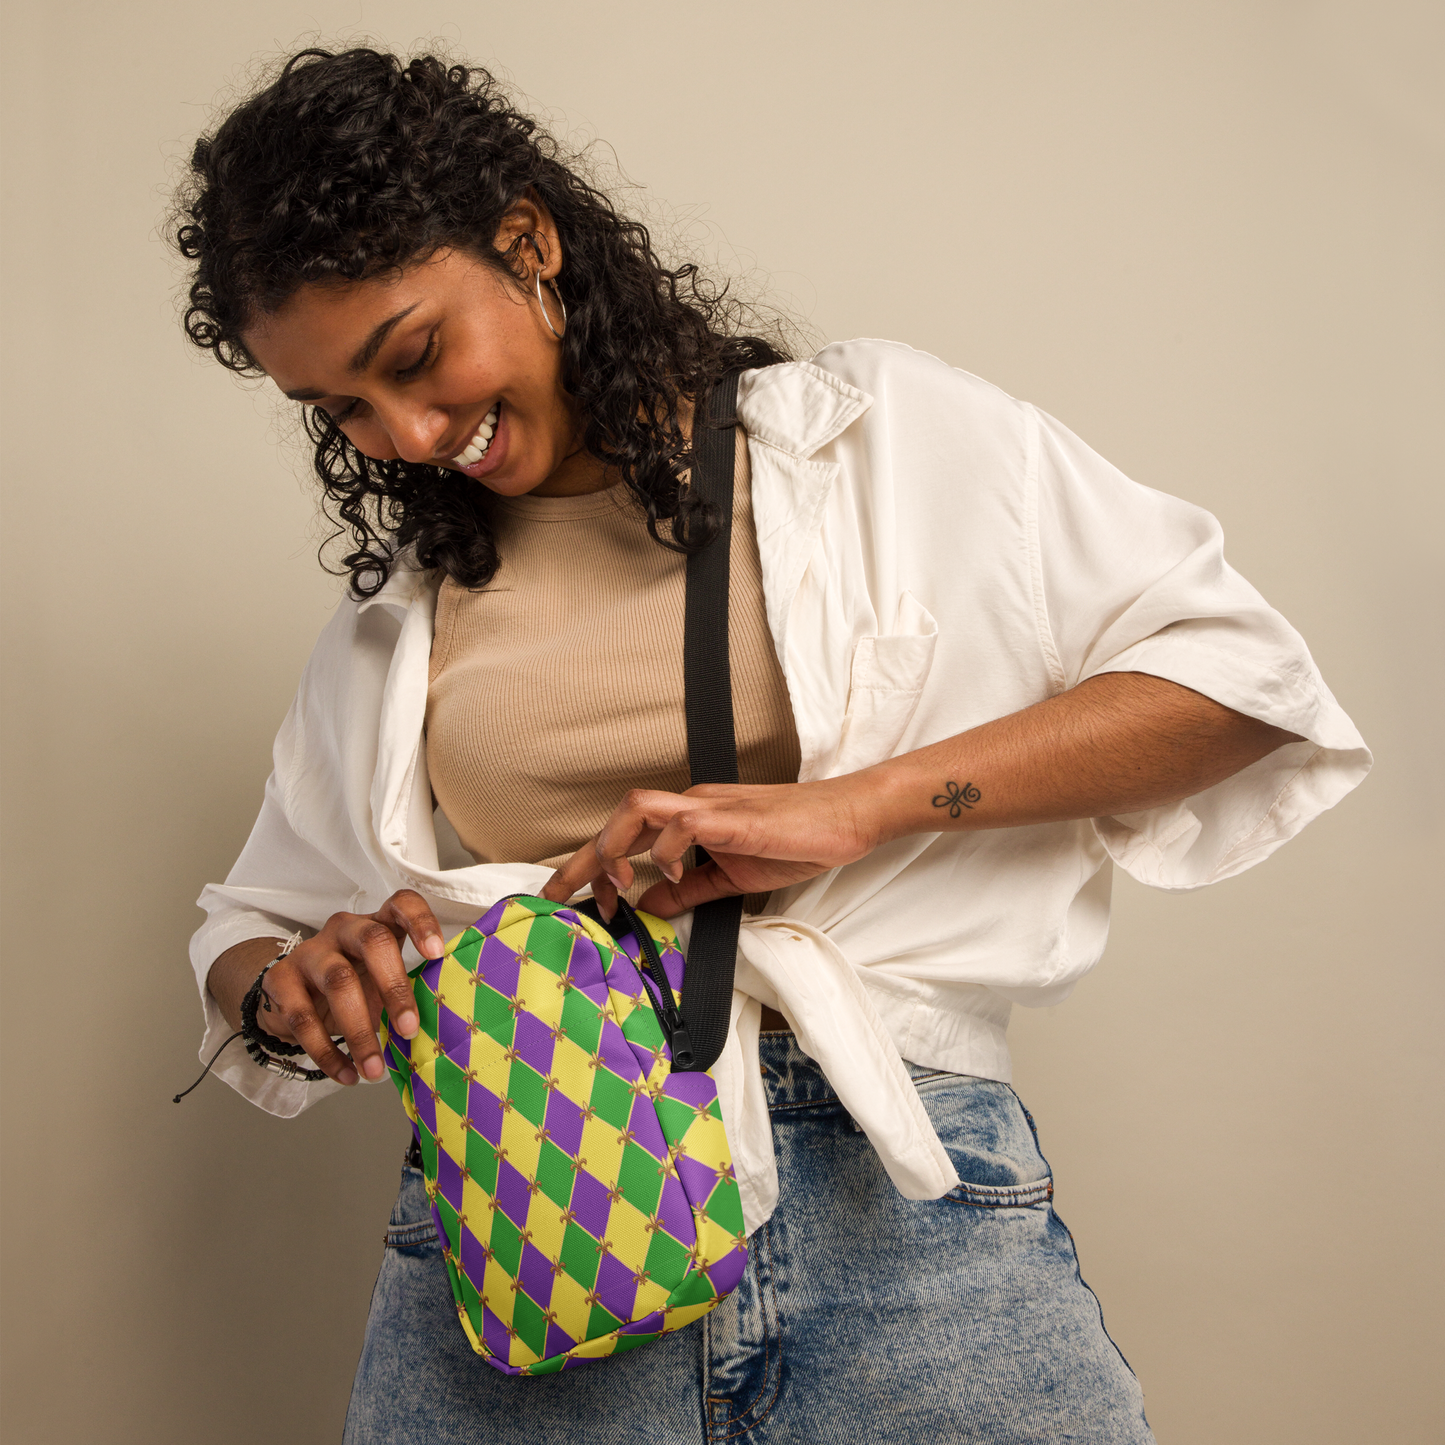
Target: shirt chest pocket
<point>884,684</point>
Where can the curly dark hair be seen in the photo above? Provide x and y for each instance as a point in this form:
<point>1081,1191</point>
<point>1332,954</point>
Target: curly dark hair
<point>347,165</point>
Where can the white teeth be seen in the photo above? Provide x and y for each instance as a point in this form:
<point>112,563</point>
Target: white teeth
<point>476,449</point>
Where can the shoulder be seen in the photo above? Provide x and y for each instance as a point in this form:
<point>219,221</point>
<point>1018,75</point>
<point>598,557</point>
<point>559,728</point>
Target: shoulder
<point>942,429</point>
<point>898,376</point>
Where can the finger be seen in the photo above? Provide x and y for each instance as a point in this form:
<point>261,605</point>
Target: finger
<point>413,913</point>
<point>410,913</point>
<point>697,885</point>
<point>605,894</point>
<point>292,996</point>
<point>366,946</point>
<point>580,870</point>
<point>632,828</point>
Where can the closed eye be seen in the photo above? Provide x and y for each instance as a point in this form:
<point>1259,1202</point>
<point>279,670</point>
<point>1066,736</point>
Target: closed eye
<point>407,373</point>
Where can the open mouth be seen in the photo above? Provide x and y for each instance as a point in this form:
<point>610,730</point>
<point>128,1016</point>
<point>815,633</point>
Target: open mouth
<point>481,441</point>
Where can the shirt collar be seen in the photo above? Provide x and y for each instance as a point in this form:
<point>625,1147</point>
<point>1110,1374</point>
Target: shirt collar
<point>797,407</point>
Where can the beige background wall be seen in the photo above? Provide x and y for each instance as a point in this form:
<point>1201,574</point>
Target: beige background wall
<point>1205,235</point>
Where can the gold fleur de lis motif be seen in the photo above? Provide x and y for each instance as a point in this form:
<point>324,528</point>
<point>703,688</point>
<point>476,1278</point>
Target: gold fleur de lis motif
<point>514,1285</point>
<point>594,1061</point>
<point>637,1087</point>
<point>488,1253</point>
<point>591,1299</point>
<point>565,981</point>
<point>499,1152</point>
<point>640,1277</point>
<point>603,1246</point>
<point>652,1224</point>
<point>739,1240</point>
<point>577,1163</point>
<point>615,1194</point>
<point>588,1113</point>
<point>699,1113</point>
<point>473,1027</point>
<point>667,1168</point>
<point>543,1135</point>
<point>697,1257</point>
<point>516,1005</point>
<point>723,1171</point>
<point>558,1033</point>
<point>557,1267</point>
<point>466,1174</point>
<point>552,1083</point>
<point>658,1054</point>
<point>431,1190</point>
<point>626,1137</point>
<point>699,1214</point>
<point>511,1053</point>
<point>511,1329</point>
<point>567,1216</point>
<point>526,956</point>
<point>532,1186</point>
<point>471,1075</point>
<point>550,1316</point>
<point>448,1256</point>
<point>508,1105</point>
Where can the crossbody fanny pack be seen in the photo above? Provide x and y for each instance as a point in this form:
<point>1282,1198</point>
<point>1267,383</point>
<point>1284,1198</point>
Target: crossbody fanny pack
<point>574,1151</point>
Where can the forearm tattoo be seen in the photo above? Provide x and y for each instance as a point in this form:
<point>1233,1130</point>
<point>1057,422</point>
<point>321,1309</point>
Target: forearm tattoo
<point>956,798</point>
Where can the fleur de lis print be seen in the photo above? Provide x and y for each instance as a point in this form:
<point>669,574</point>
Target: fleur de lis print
<point>517,1004</point>
<point>956,798</point>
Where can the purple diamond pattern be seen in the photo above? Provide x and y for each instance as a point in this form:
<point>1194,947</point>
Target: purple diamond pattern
<point>611,979</point>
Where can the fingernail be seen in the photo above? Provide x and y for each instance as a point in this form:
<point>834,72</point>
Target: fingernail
<point>346,1076</point>
<point>674,872</point>
<point>617,883</point>
<point>433,947</point>
<point>373,1068</point>
<point>407,1025</point>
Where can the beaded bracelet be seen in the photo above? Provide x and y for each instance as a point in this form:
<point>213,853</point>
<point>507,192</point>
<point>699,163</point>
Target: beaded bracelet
<point>263,1047</point>
<point>259,1044</point>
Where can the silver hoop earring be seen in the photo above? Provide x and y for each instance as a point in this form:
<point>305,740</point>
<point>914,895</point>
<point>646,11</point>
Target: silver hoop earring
<point>543,305</point>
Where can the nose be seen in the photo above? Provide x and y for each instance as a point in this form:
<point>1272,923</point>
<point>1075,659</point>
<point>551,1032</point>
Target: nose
<point>415,430</point>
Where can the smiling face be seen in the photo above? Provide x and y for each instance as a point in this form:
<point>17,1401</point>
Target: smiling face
<point>447,362</point>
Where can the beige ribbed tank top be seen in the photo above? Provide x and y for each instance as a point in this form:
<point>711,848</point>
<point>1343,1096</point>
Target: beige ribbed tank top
<point>559,685</point>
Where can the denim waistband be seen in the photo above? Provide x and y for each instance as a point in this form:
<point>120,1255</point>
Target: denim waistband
<point>793,1081</point>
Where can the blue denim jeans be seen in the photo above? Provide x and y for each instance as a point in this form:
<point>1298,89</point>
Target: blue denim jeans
<point>863,1316</point>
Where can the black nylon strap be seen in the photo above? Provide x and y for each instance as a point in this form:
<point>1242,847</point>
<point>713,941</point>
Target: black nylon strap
<point>712,753</point>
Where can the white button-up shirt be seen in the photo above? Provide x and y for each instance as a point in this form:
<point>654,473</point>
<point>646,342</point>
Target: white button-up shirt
<point>935,554</point>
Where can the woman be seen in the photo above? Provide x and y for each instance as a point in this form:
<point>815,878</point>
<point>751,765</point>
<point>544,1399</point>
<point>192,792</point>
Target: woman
<point>971,662</point>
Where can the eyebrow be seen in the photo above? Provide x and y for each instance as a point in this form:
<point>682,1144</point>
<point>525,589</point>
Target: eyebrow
<point>364,356</point>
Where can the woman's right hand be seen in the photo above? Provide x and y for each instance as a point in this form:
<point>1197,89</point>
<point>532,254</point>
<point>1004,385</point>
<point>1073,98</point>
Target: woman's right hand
<point>336,982</point>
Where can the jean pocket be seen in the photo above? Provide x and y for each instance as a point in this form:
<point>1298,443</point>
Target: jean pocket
<point>990,1141</point>
<point>1001,1196</point>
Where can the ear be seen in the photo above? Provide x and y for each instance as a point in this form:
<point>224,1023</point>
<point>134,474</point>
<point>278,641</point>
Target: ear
<point>529,218</point>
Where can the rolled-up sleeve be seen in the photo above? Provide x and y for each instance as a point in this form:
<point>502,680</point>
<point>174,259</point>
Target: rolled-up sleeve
<point>280,884</point>
<point>1134,580</point>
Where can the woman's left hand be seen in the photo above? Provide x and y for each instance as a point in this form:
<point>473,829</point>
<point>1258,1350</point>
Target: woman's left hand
<point>759,837</point>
